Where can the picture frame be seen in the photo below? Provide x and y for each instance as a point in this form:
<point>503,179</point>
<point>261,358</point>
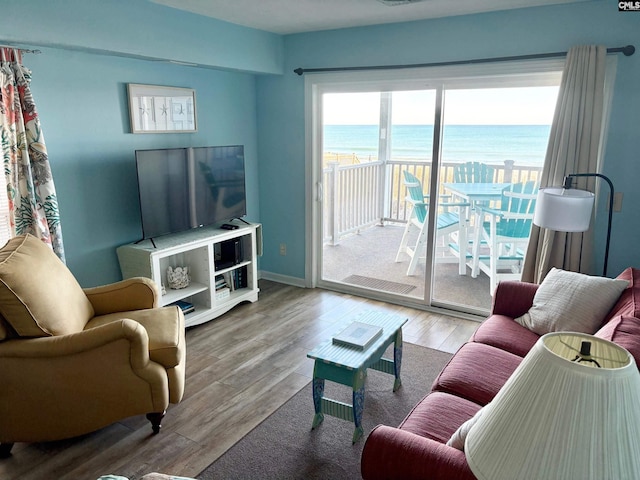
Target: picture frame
<point>159,109</point>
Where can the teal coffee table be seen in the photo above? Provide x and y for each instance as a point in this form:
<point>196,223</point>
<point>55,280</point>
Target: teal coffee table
<point>348,366</point>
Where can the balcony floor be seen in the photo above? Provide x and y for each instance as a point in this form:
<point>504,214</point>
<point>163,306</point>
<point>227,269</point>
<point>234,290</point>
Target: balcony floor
<point>370,255</point>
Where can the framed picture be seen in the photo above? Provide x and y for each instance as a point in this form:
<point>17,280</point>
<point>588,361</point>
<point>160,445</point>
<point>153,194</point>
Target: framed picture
<point>157,109</point>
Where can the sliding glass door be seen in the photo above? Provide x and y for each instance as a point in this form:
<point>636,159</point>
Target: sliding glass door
<point>371,140</point>
<point>385,157</point>
<point>492,139</point>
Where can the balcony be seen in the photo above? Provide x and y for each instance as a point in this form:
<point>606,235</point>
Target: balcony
<point>364,216</point>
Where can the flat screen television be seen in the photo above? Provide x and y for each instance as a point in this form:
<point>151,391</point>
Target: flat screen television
<point>185,188</point>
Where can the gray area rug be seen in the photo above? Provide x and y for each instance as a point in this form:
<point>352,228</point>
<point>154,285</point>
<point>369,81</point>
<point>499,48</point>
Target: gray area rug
<point>379,284</point>
<point>284,447</point>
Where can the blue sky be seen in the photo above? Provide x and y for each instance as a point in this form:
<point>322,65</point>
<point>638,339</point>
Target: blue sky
<point>490,106</point>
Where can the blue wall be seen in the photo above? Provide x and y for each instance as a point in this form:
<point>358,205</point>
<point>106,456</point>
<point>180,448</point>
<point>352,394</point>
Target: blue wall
<point>141,29</point>
<point>281,127</point>
<point>81,96</point>
<point>90,50</point>
<point>82,102</point>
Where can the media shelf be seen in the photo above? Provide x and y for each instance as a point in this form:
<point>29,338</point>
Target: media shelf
<point>211,254</point>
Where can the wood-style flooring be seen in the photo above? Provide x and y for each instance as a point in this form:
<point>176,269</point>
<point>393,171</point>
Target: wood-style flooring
<point>240,368</point>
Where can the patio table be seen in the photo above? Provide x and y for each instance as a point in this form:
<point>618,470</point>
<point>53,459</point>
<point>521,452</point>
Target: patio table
<point>472,193</point>
<point>477,192</point>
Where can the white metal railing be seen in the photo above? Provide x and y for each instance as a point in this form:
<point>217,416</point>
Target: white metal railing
<point>358,196</point>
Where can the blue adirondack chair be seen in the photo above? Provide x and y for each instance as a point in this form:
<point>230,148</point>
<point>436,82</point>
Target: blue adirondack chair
<point>473,172</point>
<point>448,222</point>
<point>505,231</point>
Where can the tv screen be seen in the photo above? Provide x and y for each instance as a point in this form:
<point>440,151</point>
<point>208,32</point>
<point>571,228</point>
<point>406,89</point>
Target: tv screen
<point>184,188</point>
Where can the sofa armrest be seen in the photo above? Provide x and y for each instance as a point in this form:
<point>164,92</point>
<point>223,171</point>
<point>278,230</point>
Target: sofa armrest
<point>392,453</point>
<point>513,299</point>
<point>136,293</point>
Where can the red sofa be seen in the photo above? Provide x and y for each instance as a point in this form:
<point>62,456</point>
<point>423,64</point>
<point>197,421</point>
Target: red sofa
<point>417,448</point>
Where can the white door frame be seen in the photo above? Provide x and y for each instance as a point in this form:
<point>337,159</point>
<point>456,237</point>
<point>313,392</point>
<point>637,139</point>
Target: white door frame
<point>517,73</point>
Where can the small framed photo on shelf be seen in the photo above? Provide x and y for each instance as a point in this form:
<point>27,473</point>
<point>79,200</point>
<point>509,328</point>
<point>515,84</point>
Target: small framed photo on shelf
<point>157,109</point>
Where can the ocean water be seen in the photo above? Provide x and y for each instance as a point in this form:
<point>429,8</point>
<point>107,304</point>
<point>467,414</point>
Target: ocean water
<point>525,144</point>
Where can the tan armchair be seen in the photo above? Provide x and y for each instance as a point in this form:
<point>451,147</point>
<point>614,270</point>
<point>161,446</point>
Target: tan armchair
<point>75,360</point>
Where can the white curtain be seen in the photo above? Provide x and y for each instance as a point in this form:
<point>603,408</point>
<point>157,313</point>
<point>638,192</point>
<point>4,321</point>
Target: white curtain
<point>574,147</point>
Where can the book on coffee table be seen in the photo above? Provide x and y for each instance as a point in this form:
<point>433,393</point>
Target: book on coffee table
<point>358,335</point>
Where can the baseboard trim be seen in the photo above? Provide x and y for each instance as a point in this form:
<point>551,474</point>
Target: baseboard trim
<point>285,279</point>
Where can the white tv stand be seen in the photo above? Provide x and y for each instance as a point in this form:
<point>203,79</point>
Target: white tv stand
<point>200,250</point>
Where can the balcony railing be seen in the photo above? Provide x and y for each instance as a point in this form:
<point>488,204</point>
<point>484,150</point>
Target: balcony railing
<point>361,195</point>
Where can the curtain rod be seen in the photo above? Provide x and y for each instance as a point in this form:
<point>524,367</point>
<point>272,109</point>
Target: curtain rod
<point>23,50</point>
<point>627,51</point>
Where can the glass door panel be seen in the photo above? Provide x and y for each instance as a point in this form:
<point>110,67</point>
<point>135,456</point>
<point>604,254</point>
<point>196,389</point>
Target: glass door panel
<point>492,138</point>
<point>372,143</point>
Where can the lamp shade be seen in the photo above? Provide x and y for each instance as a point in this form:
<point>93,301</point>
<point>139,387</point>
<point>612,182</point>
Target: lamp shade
<point>556,418</point>
<point>564,210</point>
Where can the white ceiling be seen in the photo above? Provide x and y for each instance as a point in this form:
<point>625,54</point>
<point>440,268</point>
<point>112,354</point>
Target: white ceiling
<point>296,16</point>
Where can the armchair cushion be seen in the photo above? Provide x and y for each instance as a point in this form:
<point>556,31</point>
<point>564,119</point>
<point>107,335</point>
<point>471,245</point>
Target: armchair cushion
<point>39,296</point>
<point>5,330</point>
<point>163,327</point>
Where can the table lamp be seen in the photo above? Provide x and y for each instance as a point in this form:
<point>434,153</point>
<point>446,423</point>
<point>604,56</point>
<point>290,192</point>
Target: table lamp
<point>566,209</point>
<point>570,410</point>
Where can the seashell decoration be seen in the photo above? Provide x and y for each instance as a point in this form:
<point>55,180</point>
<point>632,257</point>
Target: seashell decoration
<point>178,277</point>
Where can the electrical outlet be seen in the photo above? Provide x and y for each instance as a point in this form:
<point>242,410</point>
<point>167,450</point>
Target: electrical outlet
<point>283,249</point>
<point>617,202</point>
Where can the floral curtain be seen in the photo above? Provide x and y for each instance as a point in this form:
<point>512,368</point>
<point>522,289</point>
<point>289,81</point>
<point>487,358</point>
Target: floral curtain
<point>33,204</point>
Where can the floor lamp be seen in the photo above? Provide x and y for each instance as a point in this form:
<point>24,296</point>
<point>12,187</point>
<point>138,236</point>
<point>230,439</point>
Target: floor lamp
<point>568,209</point>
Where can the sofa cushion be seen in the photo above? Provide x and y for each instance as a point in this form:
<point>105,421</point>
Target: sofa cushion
<point>460,435</point>
<point>438,415</point>
<point>502,332</point>
<point>38,294</point>
<point>629,302</point>
<point>476,372</point>
<point>570,301</point>
<point>165,329</point>
<point>624,331</point>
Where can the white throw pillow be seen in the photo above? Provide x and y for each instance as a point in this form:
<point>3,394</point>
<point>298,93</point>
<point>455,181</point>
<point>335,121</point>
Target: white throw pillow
<point>460,435</point>
<point>571,302</point>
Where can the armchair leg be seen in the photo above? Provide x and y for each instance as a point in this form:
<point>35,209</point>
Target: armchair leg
<point>156,419</point>
<point>5,449</point>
